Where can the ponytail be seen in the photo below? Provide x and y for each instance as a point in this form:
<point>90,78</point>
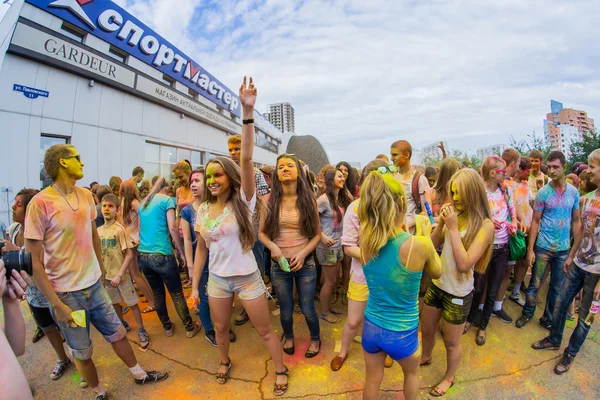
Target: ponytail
<point>158,186</point>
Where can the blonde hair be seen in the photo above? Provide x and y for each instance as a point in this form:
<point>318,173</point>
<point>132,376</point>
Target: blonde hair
<point>183,166</point>
<point>469,186</point>
<point>594,156</point>
<point>235,139</point>
<point>382,201</point>
<point>489,164</point>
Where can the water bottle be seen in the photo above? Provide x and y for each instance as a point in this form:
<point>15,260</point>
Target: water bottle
<point>593,311</point>
<point>283,263</point>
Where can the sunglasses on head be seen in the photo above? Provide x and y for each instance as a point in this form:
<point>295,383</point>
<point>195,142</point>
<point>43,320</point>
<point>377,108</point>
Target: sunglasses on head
<point>390,168</point>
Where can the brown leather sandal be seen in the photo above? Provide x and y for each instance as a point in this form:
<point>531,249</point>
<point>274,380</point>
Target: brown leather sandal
<point>223,377</point>
<point>279,390</point>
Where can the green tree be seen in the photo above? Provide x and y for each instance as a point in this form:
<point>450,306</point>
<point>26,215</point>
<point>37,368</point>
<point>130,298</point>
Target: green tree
<point>532,142</point>
<point>462,157</point>
<point>579,151</point>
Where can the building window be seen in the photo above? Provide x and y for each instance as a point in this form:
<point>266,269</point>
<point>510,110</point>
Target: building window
<point>45,142</point>
<point>193,93</point>
<point>160,159</point>
<point>117,54</point>
<point>73,32</point>
<point>168,80</point>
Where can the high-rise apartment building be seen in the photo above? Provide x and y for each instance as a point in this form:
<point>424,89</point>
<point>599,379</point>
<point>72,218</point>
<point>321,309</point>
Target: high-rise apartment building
<point>282,116</point>
<point>563,126</point>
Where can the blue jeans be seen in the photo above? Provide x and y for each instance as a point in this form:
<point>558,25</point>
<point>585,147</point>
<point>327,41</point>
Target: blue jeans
<point>204,308</point>
<point>576,280</point>
<point>259,255</point>
<point>99,312</point>
<point>306,280</point>
<point>543,258</point>
<point>161,271</point>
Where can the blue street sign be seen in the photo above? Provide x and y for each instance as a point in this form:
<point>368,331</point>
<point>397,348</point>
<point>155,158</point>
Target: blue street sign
<point>30,93</point>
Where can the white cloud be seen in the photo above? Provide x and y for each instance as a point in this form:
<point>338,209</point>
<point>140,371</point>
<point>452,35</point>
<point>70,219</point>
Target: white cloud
<point>363,74</point>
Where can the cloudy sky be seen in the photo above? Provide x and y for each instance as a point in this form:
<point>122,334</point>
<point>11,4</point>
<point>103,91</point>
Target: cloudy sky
<point>361,74</point>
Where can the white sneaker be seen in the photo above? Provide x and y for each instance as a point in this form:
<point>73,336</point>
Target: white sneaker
<point>517,298</point>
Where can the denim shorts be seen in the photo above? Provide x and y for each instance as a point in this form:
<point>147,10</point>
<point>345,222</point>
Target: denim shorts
<point>248,287</point>
<point>329,256</point>
<point>99,312</point>
<point>397,344</point>
<point>124,292</point>
<point>455,310</point>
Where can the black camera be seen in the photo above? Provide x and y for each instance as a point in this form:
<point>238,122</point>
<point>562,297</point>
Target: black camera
<point>19,260</point>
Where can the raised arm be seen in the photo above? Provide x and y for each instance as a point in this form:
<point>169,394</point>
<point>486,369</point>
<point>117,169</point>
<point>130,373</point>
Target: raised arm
<point>247,99</point>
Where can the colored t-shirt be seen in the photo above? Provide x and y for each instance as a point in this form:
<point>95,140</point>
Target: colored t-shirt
<point>350,239</point>
<point>423,186</point>
<point>537,182</point>
<point>406,180</point>
<point>555,225</point>
<point>452,280</point>
<point>114,242</point>
<point>523,199</point>
<point>64,225</point>
<point>188,214</point>
<point>221,234</point>
<point>499,209</point>
<point>330,225</point>
<point>588,255</point>
<point>154,229</point>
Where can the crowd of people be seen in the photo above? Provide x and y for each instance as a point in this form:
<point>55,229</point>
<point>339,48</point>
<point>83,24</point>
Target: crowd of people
<point>405,248</point>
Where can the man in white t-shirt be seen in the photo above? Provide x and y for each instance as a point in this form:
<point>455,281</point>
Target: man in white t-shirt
<point>401,152</point>
<point>60,233</point>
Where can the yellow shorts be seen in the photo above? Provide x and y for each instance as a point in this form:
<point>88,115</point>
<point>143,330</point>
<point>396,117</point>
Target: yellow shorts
<point>358,291</point>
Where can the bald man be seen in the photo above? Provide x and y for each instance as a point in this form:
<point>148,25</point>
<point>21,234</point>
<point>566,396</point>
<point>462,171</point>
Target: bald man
<point>400,153</point>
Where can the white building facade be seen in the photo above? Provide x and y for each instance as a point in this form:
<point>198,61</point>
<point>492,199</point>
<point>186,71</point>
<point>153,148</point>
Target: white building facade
<point>90,74</point>
<point>488,151</point>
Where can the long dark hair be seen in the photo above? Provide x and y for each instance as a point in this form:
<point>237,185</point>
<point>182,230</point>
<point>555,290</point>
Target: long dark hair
<point>343,199</point>
<point>239,208</point>
<point>305,203</point>
<point>351,180</point>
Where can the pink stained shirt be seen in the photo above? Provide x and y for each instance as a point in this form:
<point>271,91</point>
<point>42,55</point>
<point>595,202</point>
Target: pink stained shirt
<point>523,199</point>
<point>291,241</point>
<point>69,258</point>
<point>221,235</point>
<point>350,238</point>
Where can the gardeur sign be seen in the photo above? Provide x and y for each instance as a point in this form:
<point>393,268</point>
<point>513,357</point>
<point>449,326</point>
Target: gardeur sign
<point>109,22</point>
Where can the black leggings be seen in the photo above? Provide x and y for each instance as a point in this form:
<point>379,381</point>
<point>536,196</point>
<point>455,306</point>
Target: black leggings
<point>493,277</point>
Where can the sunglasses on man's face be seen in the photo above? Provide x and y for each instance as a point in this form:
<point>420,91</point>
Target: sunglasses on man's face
<point>390,168</point>
<point>76,156</point>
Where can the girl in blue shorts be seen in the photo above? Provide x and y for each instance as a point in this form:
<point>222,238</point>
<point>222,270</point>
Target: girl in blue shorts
<point>393,264</point>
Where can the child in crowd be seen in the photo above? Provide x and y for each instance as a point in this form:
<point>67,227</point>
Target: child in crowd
<point>117,254</point>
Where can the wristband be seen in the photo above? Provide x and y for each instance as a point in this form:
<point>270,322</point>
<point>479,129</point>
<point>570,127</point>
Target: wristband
<point>248,121</point>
